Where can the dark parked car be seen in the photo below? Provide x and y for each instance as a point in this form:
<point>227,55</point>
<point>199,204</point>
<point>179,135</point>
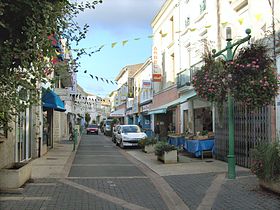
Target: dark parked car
<point>92,129</point>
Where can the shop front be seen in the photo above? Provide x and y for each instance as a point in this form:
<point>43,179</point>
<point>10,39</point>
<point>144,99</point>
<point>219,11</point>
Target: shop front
<point>51,102</point>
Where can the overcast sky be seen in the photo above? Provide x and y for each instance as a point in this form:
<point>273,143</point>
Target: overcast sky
<point>115,21</point>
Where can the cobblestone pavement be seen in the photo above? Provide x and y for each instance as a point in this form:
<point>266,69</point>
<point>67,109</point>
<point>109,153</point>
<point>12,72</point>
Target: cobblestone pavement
<point>100,178</point>
<point>242,193</point>
<point>103,177</point>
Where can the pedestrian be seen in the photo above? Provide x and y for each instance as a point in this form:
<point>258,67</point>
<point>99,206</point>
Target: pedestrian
<point>157,131</point>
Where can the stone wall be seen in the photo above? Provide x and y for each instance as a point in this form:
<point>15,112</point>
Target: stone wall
<point>7,149</point>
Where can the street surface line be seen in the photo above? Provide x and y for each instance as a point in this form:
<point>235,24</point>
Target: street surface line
<point>170,197</point>
<point>109,177</point>
<point>105,196</point>
<point>102,164</point>
<point>18,198</point>
<point>212,193</point>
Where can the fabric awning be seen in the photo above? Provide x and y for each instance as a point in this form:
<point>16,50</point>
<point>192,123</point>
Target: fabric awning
<point>163,109</point>
<point>118,113</point>
<point>50,100</point>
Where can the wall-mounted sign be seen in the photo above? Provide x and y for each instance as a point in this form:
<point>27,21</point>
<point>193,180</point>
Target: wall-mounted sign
<point>156,77</point>
<point>146,84</point>
<point>156,67</point>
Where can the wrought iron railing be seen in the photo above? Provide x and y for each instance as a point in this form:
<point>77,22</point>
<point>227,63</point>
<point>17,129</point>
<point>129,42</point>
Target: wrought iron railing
<point>184,78</point>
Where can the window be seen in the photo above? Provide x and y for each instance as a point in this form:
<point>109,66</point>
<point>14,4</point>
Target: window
<point>202,6</point>
<point>187,22</point>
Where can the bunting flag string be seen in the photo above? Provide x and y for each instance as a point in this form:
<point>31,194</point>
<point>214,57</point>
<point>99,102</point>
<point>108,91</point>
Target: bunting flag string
<point>258,17</point>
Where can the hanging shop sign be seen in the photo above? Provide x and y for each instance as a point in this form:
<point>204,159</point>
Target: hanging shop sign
<point>130,88</point>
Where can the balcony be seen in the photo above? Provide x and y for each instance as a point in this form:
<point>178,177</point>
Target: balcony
<point>184,77</point>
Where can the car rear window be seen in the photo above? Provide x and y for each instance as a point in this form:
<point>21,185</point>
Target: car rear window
<point>93,126</point>
<point>131,129</point>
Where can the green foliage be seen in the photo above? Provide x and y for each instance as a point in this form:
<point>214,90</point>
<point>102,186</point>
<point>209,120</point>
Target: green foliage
<point>87,119</point>
<point>147,141</point>
<point>250,78</point>
<point>26,50</point>
<point>266,161</point>
<point>162,147</point>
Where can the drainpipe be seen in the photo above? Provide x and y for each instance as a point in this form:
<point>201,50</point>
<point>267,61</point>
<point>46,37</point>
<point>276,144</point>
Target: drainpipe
<point>219,44</point>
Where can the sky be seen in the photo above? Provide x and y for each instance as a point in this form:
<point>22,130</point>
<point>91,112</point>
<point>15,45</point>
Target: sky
<point>115,21</point>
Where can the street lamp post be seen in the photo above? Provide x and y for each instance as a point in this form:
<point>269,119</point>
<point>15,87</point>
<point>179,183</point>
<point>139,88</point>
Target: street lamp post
<point>230,50</point>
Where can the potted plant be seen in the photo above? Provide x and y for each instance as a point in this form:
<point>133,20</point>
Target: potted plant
<point>266,165</point>
<point>148,144</point>
<point>15,175</point>
<point>166,152</point>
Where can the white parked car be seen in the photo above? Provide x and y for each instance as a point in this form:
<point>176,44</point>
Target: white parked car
<point>129,135</point>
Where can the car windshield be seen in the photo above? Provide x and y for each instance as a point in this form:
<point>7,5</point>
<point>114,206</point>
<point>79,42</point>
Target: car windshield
<point>131,129</point>
<point>92,126</point>
<point>108,122</point>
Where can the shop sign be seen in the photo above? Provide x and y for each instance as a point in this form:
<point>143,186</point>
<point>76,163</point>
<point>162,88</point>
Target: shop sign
<point>146,84</point>
<point>130,88</point>
<point>145,108</point>
<point>156,67</point>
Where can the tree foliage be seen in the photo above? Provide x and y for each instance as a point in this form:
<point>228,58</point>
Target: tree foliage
<point>26,48</point>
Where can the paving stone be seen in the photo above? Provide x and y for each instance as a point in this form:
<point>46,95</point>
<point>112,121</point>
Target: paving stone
<point>191,188</point>
<point>245,193</point>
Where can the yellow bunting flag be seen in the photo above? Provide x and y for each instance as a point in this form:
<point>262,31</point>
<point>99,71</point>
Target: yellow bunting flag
<point>151,36</point>
<point>224,24</point>
<point>241,20</point>
<point>136,39</point>
<point>124,42</point>
<point>101,46</point>
<point>114,44</point>
<point>178,32</point>
<point>193,29</point>
<point>164,35</point>
<point>208,26</point>
<point>258,17</point>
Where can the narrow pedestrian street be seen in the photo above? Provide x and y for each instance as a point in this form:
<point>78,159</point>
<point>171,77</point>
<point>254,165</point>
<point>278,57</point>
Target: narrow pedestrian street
<point>103,176</point>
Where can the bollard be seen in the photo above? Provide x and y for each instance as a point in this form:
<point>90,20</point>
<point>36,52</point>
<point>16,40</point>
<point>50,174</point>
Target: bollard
<point>75,139</point>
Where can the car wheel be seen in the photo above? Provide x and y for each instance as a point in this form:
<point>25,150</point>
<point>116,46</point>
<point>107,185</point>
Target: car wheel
<point>117,143</point>
<point>87,132</point>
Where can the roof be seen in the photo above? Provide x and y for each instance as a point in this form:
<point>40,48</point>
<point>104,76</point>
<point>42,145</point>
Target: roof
<point>131,70</point>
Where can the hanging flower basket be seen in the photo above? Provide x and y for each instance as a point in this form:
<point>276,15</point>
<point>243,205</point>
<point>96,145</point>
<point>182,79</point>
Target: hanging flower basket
<point>250,78</point>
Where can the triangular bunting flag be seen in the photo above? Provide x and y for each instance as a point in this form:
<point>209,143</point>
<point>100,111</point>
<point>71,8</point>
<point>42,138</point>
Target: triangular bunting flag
<point>124,42</point>
<point>193,29</point>
<point>164,35</point>
<point>112,82</point>
<point>208,26</point>
<point>107,81</point>
<point>224,24</point>
<point>136,39</point>
<point>85,71</point>
<point>241,20</point>
<point>151,36</point>
<point>258,16</point>
<point>102,79</point>
<point>96,78</point>
<point>91,76</point>
<point>114,44</point>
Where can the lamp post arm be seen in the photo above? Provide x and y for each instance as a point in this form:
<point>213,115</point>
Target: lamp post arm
<point>239,42</point>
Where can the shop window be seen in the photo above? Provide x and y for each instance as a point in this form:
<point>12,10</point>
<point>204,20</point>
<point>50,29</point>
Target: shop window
<point>203,119</point>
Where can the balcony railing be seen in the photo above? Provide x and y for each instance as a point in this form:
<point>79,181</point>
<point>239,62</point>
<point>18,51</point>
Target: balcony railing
<point>184,77</point>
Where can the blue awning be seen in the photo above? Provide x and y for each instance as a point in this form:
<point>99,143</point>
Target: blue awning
<point>50,100</point>
<point>164,108</point>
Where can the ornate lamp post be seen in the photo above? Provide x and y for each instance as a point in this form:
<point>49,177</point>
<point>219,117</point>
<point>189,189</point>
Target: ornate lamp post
<point>230,50</point>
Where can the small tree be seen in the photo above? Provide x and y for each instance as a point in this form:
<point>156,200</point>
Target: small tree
<point>87,119</point>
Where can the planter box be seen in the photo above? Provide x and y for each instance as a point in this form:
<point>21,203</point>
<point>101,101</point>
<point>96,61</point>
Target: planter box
<point>15,175</point>
<point>169,157</point>
<point>271,186</point>
<point>149,148</point>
